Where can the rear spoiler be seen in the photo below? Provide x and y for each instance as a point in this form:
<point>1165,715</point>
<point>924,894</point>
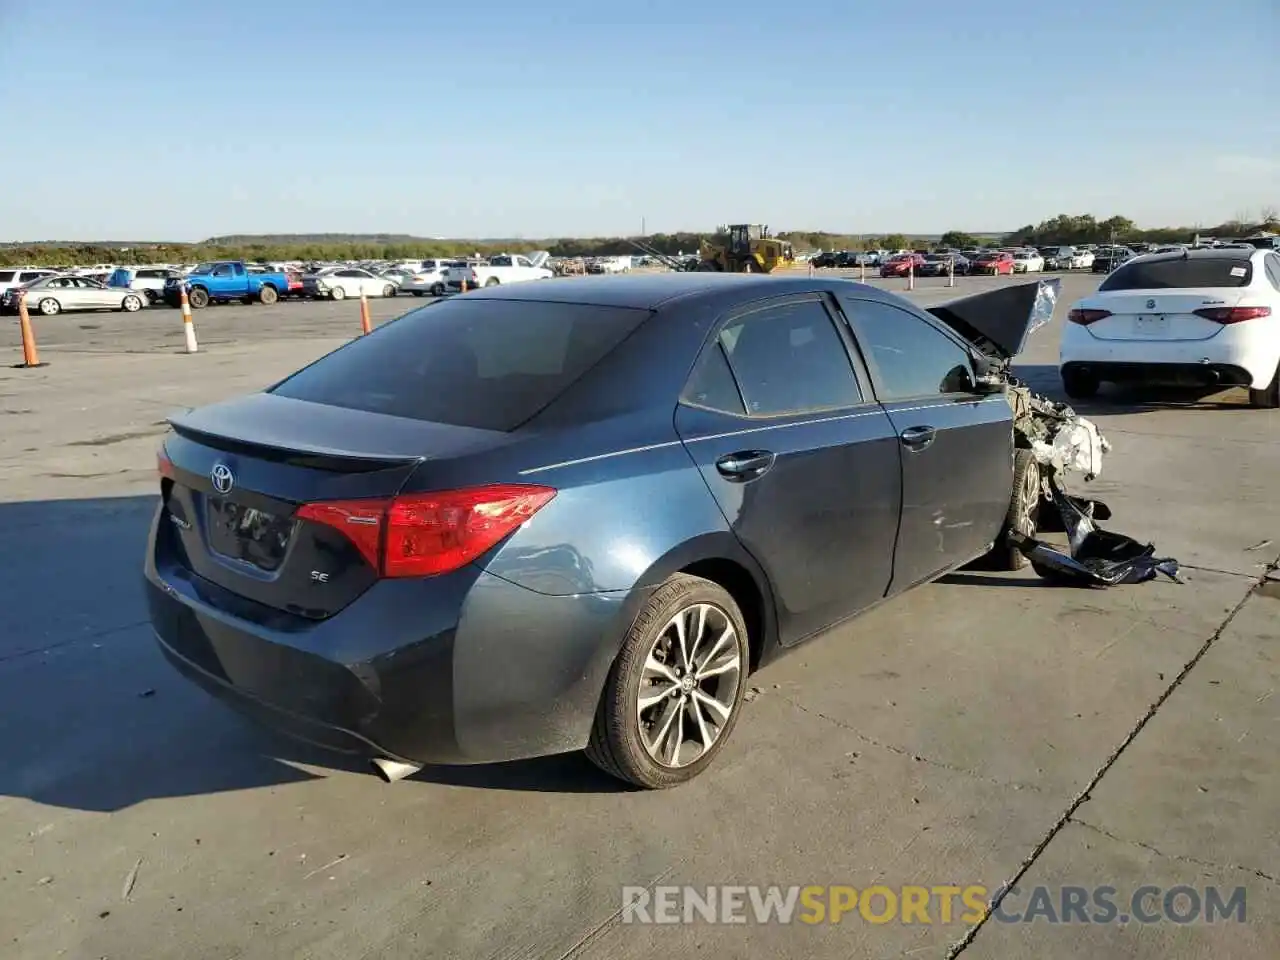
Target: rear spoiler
<point>999,322</point>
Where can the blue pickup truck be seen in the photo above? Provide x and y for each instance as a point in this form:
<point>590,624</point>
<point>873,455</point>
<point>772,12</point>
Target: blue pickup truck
<point>222,281</point>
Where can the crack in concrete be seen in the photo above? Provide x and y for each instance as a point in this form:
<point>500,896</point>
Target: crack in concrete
<point>1180,858</point>
<point>96,635</point>
<point>901,752</point>
<point>1080,798</point>
<point>1227,573</point>
<point>586,939</point>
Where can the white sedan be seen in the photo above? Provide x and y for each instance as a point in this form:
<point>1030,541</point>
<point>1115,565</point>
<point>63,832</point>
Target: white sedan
<point>1028,261</point>
<point>428,282</point>
<point>338,283</point>
<point>1202,317</point>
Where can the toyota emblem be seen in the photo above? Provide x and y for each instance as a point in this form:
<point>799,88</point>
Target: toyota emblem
<point>222,477</point>
<point>1151,304</point>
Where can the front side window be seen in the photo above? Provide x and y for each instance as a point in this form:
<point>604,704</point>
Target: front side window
<point>912,358</point>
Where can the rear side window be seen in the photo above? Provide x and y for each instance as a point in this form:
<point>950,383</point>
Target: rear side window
<point>789,359</point>
<point>6,276</point>
<point>911,357</point>
<point>490,364</point>
<point>712,384</point>
<point>1180,272</point>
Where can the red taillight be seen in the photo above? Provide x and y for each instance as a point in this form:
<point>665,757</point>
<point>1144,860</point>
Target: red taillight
<point>1233,314</point>
<point>426,534</point>
<point>360,521</point>
<point>164,465</point>
<point>1086,317</point>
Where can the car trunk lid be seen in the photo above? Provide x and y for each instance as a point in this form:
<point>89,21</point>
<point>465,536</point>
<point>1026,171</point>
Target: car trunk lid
<point>237,473</point>
<point>1159,314</point>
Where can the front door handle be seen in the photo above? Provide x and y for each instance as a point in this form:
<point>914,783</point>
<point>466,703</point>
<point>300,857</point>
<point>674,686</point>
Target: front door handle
<point>744,465</point>
<point>917,438</point>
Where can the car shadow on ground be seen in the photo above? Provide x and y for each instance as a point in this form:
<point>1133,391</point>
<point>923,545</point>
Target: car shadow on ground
<point>93,718</point>
<point>1116,399</point>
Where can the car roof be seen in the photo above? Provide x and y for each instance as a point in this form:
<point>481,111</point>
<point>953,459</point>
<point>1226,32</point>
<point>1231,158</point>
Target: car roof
<point>1210,253</point>
<point>657,290</point>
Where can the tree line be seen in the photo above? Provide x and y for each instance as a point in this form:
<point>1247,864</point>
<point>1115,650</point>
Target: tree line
<point>1062,229</point>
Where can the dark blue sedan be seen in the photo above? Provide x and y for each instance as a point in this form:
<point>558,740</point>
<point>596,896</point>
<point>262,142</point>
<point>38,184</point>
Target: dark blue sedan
<point>577,514</point>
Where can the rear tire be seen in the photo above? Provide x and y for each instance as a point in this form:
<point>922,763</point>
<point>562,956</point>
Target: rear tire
<point>492,282</point>
<point>131,304</point>
<point>437,290</point>
<point>1268,398</point>
<point>49,307</point>
<point>1080,384</point>
<point>701,704</point>
<point>268,295</point>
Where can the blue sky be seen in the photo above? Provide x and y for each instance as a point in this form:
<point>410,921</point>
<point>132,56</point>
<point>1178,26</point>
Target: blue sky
<point>154,119</point>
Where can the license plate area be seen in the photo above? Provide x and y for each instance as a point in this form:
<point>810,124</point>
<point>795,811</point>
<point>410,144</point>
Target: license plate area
<point>1150,325</point>
<point>248,534</point>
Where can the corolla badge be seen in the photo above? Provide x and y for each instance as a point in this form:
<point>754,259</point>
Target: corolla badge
<point>222,477</point>
<point>1151,304</point>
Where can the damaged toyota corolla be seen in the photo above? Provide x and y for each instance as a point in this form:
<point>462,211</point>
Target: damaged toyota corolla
<point>529,521</point>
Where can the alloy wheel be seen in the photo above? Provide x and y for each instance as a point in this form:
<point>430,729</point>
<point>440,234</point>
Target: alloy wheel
<point>689,685</point>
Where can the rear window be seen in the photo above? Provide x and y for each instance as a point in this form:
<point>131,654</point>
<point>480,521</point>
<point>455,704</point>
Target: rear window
<point>6,275</point>
<point>1180,273</point>
<point>490,364</point>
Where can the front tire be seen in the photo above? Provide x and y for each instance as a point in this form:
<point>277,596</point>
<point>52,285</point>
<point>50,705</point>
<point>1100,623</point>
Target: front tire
<point>492,282</point>
<point>1024,510</point>
<point>437,290</point>
<point>198,298</point>
<point>338,293</point>
<point>674,693</point>
<point>389,290</point>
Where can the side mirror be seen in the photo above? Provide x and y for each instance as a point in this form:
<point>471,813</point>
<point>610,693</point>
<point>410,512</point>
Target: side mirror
<point>988,377</point>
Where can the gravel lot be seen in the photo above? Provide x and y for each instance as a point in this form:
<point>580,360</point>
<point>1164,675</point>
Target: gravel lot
<point>991,728</point>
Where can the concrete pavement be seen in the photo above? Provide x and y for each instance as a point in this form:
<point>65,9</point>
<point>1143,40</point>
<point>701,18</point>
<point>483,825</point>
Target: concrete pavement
<point>985,728</point>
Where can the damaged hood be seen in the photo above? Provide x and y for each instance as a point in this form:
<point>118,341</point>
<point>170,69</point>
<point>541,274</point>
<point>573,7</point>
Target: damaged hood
<point>999,321</point>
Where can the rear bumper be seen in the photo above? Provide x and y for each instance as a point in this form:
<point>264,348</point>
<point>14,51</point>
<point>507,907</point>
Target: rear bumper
<point>465,668</point>
<point>1237,356</point>
<point>1183,374</point>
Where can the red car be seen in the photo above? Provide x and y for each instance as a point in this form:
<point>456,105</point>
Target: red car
<point>993,263</point>
<point>899,265</point>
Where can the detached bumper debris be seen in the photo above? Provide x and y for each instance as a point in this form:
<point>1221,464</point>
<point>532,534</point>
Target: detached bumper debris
<point>1098,558</point>
<point>1063,443</point>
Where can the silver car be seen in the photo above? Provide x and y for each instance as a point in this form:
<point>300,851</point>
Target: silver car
<point>53,295</point>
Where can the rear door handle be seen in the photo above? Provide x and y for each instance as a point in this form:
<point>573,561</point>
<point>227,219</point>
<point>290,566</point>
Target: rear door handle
<point>744,465</point>
<point>917,438</point>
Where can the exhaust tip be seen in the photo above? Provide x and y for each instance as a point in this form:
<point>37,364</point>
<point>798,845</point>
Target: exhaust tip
<point>392,770</point>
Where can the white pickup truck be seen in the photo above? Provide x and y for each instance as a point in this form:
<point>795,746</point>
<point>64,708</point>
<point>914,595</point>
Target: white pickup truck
<point>506,268</point>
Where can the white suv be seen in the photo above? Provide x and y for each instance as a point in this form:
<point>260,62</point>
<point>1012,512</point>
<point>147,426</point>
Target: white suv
<point>1198,317</point>
<point>21,276</point>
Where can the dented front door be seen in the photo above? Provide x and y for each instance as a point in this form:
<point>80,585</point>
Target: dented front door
<point>957,469</point>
